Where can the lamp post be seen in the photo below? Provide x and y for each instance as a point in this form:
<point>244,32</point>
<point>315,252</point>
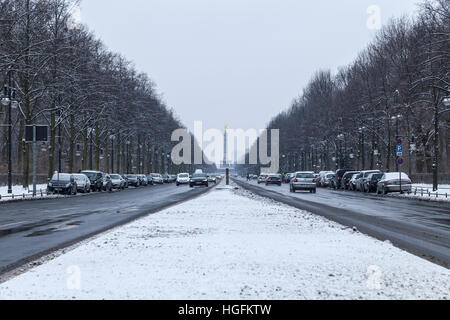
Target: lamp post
<point>112,137</point>
<point>397,134</point>
<point>9,101</point>
<point>363,154</point>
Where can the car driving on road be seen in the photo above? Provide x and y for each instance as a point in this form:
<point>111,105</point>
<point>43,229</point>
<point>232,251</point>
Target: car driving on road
<point>274,179</point>
<point>303,181</point>
<point>182,178</point>
<point>199,179</point>
<point>262,178</point>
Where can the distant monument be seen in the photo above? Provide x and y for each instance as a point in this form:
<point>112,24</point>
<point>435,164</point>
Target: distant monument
<point>225,163</point>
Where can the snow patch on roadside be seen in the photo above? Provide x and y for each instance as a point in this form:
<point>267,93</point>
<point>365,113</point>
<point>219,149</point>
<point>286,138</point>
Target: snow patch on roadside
<point>232,244</point>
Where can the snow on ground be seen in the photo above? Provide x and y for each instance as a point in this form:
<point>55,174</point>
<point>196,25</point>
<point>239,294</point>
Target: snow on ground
<point>19,191</point>
<point>232,245</point>
<point>425,192</point>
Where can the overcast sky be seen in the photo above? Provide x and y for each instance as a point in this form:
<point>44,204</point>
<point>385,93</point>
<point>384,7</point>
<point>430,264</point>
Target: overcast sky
<point>235,62</point>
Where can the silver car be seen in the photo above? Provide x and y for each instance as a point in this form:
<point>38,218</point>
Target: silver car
<point>390,182</point>
<point>359,185</point>
<point>304,181</point>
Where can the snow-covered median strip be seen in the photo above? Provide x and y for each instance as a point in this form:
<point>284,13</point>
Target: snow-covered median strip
<point>232,245</point>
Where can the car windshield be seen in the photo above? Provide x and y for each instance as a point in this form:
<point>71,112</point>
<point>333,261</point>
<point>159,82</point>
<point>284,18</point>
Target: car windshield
<point>154,175</point>
<point>115,176</point>
<point>275,176</point>
<point>62,177</point>
<point>132,177</point>
<point>184,176</point>
<point>199,175</point>
<point>369,173</point>
<point>91,175</point>
<point>305,176</point>
<point>377,176</point>
<point>330,176</point>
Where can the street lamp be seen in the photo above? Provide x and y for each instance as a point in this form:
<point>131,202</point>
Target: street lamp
<point>9,101</point>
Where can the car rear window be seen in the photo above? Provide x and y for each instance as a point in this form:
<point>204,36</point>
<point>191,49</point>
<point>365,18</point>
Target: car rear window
<point>305,176</point>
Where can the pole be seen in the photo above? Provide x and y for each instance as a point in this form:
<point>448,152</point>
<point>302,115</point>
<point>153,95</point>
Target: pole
<point>59,141</point>
<point>34,160</point>
<point>363,150</point>
<point>112,155</point>
<point>9,135</point>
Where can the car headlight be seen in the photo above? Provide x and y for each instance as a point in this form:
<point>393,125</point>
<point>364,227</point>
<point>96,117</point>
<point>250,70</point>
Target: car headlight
<point>68,185</point>
<point>50,184</point>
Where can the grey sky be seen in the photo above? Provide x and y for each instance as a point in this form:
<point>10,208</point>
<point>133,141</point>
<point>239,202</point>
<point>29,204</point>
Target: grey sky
<point>235,62</point>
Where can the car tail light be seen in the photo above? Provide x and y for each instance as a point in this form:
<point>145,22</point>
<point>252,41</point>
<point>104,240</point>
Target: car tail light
<point>314,181</point>
<point>371,182</point>
<point>296,180</point>
<point>388,183</point>
<point>347,180</point>
<point>279,179</point>
<point>409,182</point>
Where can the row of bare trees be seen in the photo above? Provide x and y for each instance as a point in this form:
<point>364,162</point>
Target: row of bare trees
<point>396,88</point>
<point>102,114</point>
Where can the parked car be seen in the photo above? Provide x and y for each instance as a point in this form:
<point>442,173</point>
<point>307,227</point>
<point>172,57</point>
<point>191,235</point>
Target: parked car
<point>143,179</point>
<point>353,179</point>
<point>262,178</point>
<point>165,178</point>
<point>304,181</point>
<point>96,179</point>
<point>199,179</point>
<point>359,186</point>
<point>157,178</point>
<point>107,184</point>
<point>118,182</point>
<point>150,179</point>
<point>133,180</point>
<point>274,179</point>
<point>83,183</point>
<point>287,177</point>
<point>327,180</point>
<point>125,178</point>
<point>345,180</point>
<point>63,183</point>
<point>390,182</point>
<point>172,178</point>
<point>337,184</point>
<point>322,177</point>
<point>371,182</point>
<point>182,178</point>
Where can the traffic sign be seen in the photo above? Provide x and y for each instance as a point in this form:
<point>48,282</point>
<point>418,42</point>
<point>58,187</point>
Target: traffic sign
<point>399,142</point>
<point>399,151</point>
<point>400,161</point>
<point>41,133</point>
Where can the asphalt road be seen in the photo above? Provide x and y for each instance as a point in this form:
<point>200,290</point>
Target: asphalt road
<point>419,227</point>
<point>30,229</point>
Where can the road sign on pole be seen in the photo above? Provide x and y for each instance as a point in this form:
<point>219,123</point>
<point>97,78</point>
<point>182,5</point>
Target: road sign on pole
<point>400,161</point>
<point>399,151</point>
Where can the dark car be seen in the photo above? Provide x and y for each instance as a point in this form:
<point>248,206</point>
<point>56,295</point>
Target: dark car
<point>346,178</point>
<point>96,179</point>
<point>133,180</point>
<point>63,183</point>
<point>371,183</point>
<point>199,179</point>
<point>274,179</point>
<point>337,183</point>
